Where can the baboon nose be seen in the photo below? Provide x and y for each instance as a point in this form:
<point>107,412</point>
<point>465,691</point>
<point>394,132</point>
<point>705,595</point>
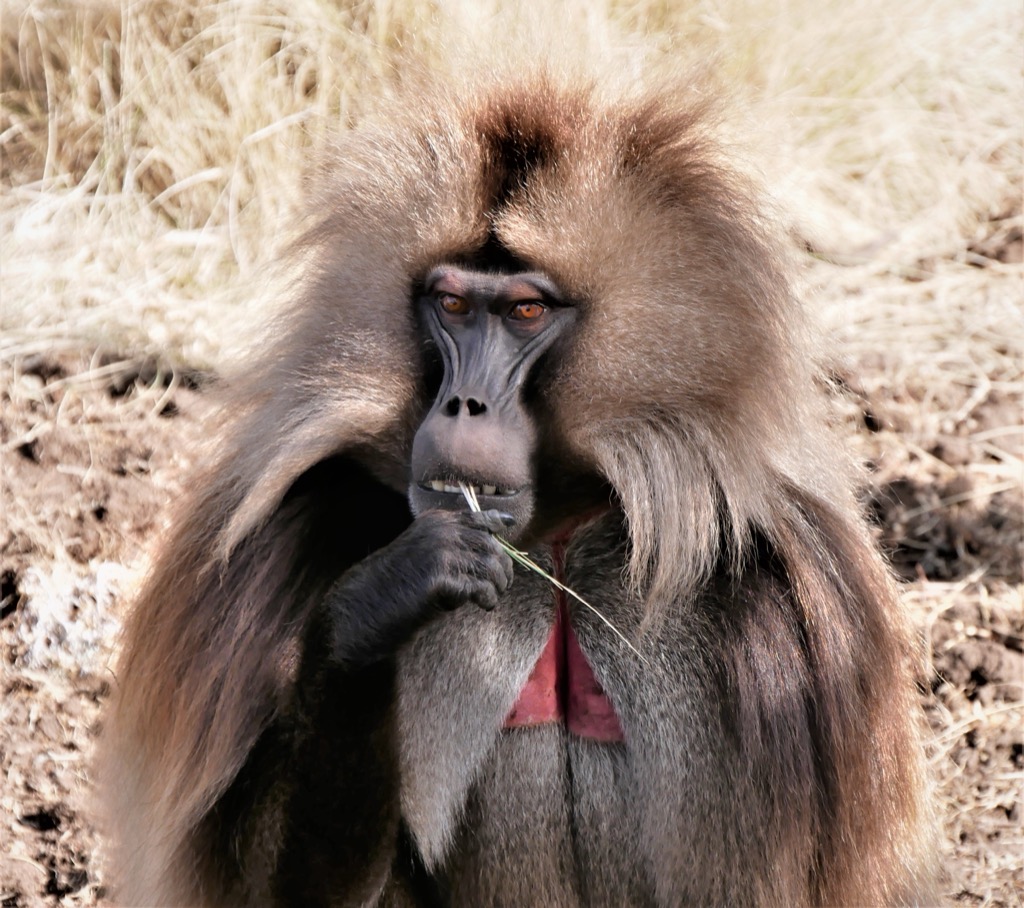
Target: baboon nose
<point>473,407</point>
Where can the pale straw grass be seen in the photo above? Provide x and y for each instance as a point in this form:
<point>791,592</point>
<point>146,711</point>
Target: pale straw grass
<point>155,153</point>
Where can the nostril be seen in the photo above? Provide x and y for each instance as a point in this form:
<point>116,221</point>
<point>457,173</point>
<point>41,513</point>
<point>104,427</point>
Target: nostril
<point>453,406</point>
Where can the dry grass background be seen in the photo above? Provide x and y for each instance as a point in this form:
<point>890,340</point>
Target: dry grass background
<point>155,152</point>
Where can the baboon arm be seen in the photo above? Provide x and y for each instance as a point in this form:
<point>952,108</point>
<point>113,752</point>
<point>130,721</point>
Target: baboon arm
<point>333,824</point>
<point>342,815</point>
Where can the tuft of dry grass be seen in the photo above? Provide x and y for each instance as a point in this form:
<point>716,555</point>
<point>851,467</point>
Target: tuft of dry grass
<point>153,151</point>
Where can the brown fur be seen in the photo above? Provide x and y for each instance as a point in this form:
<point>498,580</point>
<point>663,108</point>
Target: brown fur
<point>688,388</point>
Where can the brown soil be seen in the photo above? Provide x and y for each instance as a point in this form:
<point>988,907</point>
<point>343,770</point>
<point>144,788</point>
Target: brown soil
<point>92,452</point>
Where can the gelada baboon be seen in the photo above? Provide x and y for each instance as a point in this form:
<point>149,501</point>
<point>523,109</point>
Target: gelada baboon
<point>338,688</point>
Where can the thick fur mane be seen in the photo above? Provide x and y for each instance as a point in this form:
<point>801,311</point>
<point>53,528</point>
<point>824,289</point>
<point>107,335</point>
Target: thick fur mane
<point>624,202</point>
<point>686,325</point>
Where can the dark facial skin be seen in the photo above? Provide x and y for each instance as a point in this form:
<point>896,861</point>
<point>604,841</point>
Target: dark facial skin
<point>490,331</point>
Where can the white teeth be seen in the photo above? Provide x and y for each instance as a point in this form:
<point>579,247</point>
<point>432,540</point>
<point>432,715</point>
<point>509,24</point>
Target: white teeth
<point>439,485</point>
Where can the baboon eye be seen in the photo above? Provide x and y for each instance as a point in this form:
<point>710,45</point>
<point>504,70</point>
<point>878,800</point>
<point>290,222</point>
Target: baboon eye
<point>452,304</point>
<point>527,311</point>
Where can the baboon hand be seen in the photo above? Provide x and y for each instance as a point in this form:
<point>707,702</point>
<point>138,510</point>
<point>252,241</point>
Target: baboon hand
<point>458,557</point>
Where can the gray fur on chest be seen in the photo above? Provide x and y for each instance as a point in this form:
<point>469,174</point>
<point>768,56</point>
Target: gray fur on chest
<point>457,681</point>
<point>575,821</point>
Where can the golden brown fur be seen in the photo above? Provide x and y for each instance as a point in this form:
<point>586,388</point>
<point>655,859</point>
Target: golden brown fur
<point>687,387</point>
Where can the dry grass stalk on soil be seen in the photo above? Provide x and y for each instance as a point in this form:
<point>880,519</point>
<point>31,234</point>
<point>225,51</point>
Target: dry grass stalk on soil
<point>152,152</point>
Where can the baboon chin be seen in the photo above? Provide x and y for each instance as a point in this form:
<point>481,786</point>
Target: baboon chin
<point>340,688</point>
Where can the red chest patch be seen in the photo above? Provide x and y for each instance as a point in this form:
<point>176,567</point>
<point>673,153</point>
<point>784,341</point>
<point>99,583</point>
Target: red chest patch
<point>562,686</point>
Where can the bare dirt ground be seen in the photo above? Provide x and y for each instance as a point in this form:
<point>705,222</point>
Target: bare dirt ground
<point>93,449</point>
<point>91,455</point>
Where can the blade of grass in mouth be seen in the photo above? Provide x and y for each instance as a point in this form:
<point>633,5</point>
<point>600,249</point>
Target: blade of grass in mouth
<point>516,555</point>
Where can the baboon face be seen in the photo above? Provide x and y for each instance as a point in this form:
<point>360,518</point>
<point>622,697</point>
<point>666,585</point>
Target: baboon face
<point>490,331</point>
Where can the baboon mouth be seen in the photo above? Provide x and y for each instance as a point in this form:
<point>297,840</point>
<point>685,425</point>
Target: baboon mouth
<point>454,486</point>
